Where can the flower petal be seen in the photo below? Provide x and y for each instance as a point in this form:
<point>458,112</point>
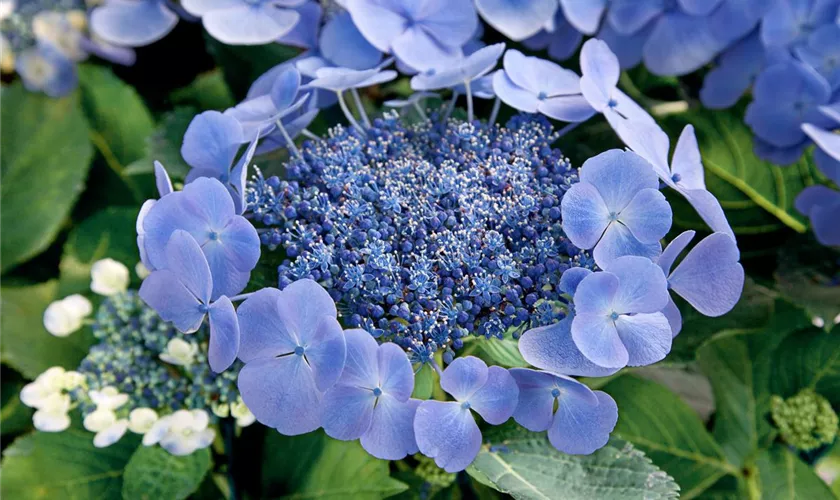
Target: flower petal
<point>379,25</point>
<point>211,141</point>
<point>710,277</point>
<point>573,109</point>
<point>343,44</point>
<point>674,316</point>
<point>396,376</point>
<point>391,432</point>
<point>302,304</point>
<point>647,337</point>
<point>165,293</point>
<point>618,242</point>
<point>673,250</point>
<point>584,15</point>
<point>642,285</point>
<point>448,433</point>
<point>514,95</point>
<point>597,338</point>
<point>264,333</point>
<point>535,408</point>
<point>648,216</point>
<point>249,25</point>
<point>600,71</point>
<point>131,23</point>
<point>571,278</point>
<point>326,352</point>
<point>496,400</point>
<point>585,215</point>
<point>551,348</point>
<point>347,412</point>
<point>618,176</point>
<point>360,368</point>
<point>224,335</point>
<point>709,209</point>
<point>680,44</point>
<point>463,377</point>
<point>516,19</point>
<point>579,427</point>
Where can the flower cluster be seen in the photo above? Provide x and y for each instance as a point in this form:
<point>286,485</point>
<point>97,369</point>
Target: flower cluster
<point>42,40</point>
<point>142,376</point>
<point>806,421</point>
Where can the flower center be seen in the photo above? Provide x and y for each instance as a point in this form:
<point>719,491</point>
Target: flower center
<point>377,391</point>
<point>612,103</point>
<point>614,316</point>
<point>299,350</point>
<point>676,177</point>
<point>213,236</point>
<point>465,405</point>
<point>555,392</point>
<point>542,96</point>
<point>613,216</point>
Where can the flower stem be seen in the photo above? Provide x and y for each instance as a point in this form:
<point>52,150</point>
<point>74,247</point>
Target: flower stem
<point>420,111</point>
<point>360,107</point>
<point>290,144</point>
<point>497,104</point>
<point>348,114</point>
<point>451,107</point>
<point>469,101</point>
<point>227,428</point>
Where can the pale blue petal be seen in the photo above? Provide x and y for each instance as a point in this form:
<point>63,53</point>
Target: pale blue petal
<point>647,216</point>
<point>249,25</point>
<point>200,7</point>
<point>580,428</point>
<point>239,177</point>
<point>540,76</point>
<point>514,95</point>
<point>650,142</point>
<point>347,412</point>
<point>164,293</point>
<point>379,25</point>
<point>673,251</point>
<point>571,278</point>
<point>211,141</point>
<point>735,72</point>
<point>584,15</point>
<point>303,304</point>
<point>448,433</point>
<point>628,48</point>
<point>813,197</point>
<point>600,71</point>
<point>674,316</point>
<point>629,16</point>
<point>224,335</point>
<point>396,377</point>
<point>132,23</point>
<point>647,337</point>
<point>687,163</point>
<point>285,88</point>
<point>465,70</point>
<point>571,109</point>
<point>710,277</point>
<point>699,7</point>
<point>597,338</point>
<point>305,32</point>
<point>585,215</point>
<point>326,352</point>
<point>618,176</point>
<point>617,242</point>
<point>360,368</point>
<point>463,377</point>
<point>210,201</point>
<point>281,393</point>
<point>516,19</point>
<point>824,222</point>
<point>680,44</point>
<point>552,348</point>
<point>254,115</point>
<point>829,166</point>
<point>709,209</point>
<point>162,181</point>
<point>240,242</point>
<point>391,432</point>
<point>451,22</point>
<point>595,294</point>
<point>642,285</point>
<point>496,400</point>
<point>535,408</point>
<point>227,280</point>
<point>263,332</point>
<point>344,45</point>
<point>186,261</point>
<point>826,140</point>
<point>781,155</point>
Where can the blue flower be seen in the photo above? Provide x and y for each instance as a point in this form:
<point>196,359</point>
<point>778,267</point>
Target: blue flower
<point>446,430</point>
<point>462,71</point>
<point>420,33</point>
<point>294,350</point>
<point>616,208</point>
<point>516,19</point>
<point>584,15</point>
<point>617,314</point>
<point>210,146</point>
<point>785,96</point>
<point>558,36</point>
<point>43,68</point>
<point>735,71</point>
<point>181,293</point>
<point>822,52</point>
<point>534,85</point>
<point>789,23</point>
<point>132,23</point>
<point>552,348</point>
<point>341,79</point>
<point>343,45</point>
<point>245,22</point>
<point>685,173</point>
<point>371,401</point>
<point>205,209</point>
<point>710,277</point>
<point>305,32</point>
<point>583,418</point>
<point>820,203</point>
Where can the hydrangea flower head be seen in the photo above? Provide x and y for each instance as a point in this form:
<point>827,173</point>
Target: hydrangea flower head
<point>583,419</point>
<point>821,204</point>
<point>245,22</point>
<point>616,208</point>
<point>446,430</point>
<point>294,350</point>
<point>43,68</point>
<point>617,314</point>
<point>371,399</point>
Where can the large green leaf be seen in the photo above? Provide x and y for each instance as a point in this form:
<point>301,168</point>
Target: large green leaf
<point>808,359</point>
<point>164,145</point>
<point>739,364</point>
<point>207,91</point>
<point>109,233</point>
<point>504,352</point>
<point>757,195</point>
<point>46,156</point>
<point>526,466</point>
<point>27,346</point>
<point>805,275</point>
<point>64,465</point>
<point>155,474</point>
<point>782,476</point>
<point>657,421</point>
<point>315,466</point>
<point>242,65</point>
<point>15,417</point>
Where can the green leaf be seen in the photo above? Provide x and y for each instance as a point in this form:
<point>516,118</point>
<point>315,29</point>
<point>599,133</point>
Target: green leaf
<point>524,465</point>
<point>164,145</point>
<point>739,366</point>
<point>782,476</point>
<point>153,473</point>
<point>27,346</point>
<point>424,382</point>
<point>315,466</point>
<point>15,417</point>
<point>808,359</point>
<point>117,115</point>
<point>47,465</point>
<point>805,276</point>
<point>757,195</point>
<point>109,233</point>
<point>242,64</point>
<point>207,91</point>
<point>504,352</point>
<point>46,156</point>
<point>663,426</point>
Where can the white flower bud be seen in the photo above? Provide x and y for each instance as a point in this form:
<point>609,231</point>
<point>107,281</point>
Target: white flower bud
<point>35,394</point>
<point>818,322</point>
<point>141,270</point>
<point>99,420</point>
<point>181,433</point>
<point>52,413</point>
<point>67,315</point>
<point>220,410</point>
<point>241,413</point>
<point>141,420</point>
<point>179,352</point>
<point>72,379</point>
<point>109,277</point>
<point>110,435</point>
<point>109,398</point>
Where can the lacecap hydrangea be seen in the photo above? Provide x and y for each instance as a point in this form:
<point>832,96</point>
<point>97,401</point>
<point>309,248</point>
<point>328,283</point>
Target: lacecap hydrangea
<point>397,241</point>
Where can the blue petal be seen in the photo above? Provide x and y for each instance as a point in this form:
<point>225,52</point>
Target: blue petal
<point>600,72</point>
<point>647,337</point>
<point>573,109</point>
<point>535,408</point>
<point>305,32</point>
<point>241,245</point>
<point>585,215</point>
<point>735,72</point>
<point>540,76</point>
<point>463,377</point>
<point>564,42</point>
<point>629,16</point>
<point>285,88</point>
<point>647,216</point>
<point>584,15</point>
<point>186,261</point>
<point>249,24</point>
<point>44,69</point>
<point>650,142</point>
<point>281,393</point>
<point>826,140</point>
<point>254,115</point>
<point>379,25</point>
<point>227,280</point>
<point>595,294</point>
<point>699,7</point>
<point>211,141</point>
<point>448,433</point>
<point>829,166</point>
<point>680,44</point>
<point>597,338</point>
<point>782,24</point>
<point>673,250</point>
<point>781,155</point>
<point>516,19</point>
<point>396,377</point>
<point>361,368</point>
<point>464,70</point>
<point>347,411</point>
<point>303,304</point>
<point>628,48</point>
<point>452,23</point>
<point>343,45</point>
<point>162,182</point>
<point>618,176</point>
<point>709,209</point>
<point>391,432</point>
<point>815,197</point>
<point>132,23</point>
<point>824,221</point>
<point>496,400</point>
<point>552,348</point>
<point>224,335</point>
<point>579,427</point>
<point>172,301</point>
<point>339,79</point>
<point>326,352</point>
<point>571,278</point>
<point>674,316</point>
<point>687,163</point>
<point>264,333</point>
<point>514,95</point>
<point>710,277</point>
<point>239,176</point>
<point>618,242</point>
<point>642,285</point>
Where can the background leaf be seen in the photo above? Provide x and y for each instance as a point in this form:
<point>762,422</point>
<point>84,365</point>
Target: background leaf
<point>782,476</point>
<point>164,145</point>
<point>153,473</point>
<point>64,465</point>
<point>208,91</point>
<point>808,359</point>
<point>27,346</point>
<point>46,156</point>
<point>526,466</point>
